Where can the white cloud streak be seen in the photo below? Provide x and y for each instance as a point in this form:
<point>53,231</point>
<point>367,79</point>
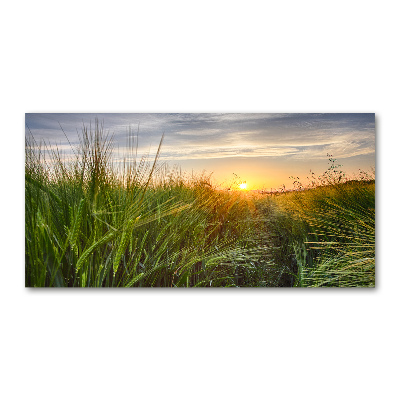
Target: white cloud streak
<point>202,136</point>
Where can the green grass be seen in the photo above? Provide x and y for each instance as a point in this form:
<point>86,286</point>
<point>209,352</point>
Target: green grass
<point>90,222</point>
<point>325,235</point>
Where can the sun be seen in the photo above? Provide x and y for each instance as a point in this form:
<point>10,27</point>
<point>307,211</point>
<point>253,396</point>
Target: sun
<point>243,186</point>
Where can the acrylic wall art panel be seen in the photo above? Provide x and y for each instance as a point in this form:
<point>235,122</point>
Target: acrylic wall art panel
<point>200,200</point>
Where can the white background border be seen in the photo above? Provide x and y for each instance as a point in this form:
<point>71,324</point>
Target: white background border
<point>199,57</point>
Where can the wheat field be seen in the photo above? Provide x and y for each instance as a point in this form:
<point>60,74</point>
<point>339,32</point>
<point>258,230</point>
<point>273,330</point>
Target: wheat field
<point>90,222</point>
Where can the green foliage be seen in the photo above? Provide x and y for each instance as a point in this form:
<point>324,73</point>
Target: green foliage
<point>328,234</point>
<point>90,222</point>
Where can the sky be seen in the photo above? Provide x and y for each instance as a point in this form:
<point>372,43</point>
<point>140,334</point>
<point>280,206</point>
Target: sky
<point>262,149</point>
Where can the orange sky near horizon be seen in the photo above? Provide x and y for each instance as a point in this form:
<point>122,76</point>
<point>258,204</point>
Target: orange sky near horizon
<point>270,173</point>
<point>263,150</point>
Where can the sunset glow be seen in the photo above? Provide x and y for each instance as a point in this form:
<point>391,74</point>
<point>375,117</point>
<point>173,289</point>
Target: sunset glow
<point>267,149</point>
<point>216,199</point>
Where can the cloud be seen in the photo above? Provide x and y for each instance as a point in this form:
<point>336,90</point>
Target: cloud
<point>202,136</point>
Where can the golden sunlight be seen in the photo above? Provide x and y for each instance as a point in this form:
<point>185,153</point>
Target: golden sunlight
<point>243,186</point>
